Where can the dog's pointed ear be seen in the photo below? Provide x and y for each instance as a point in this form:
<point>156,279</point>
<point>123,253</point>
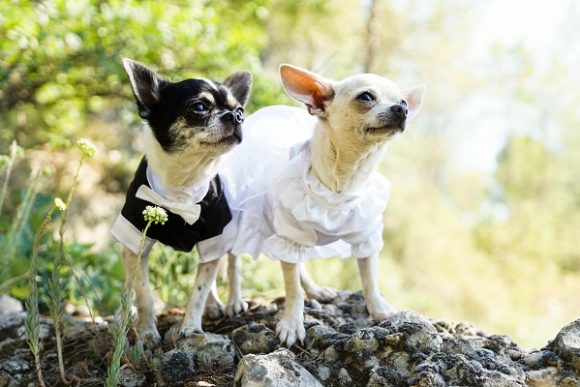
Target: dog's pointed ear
<point>145,84</point>
<point>414,98</point>
<point>240,84</point>
<point>308,88</point>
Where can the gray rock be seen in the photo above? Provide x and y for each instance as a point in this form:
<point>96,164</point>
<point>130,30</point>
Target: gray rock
<point>483,368</point>
<point>543,377</point>
<point>503,345</point>
<point>130,378</point>
<point>9,305</point>
<point>344,378</point>
<point>320,337</point>
<point>45,331</point>
<point>542,358</point>
<point>461,344</point>
<point>321,372</point>
<point>210,352</point>
<point>15,366</point>
<point>72,327</point>
<point>427,378</point>
<point>9,324</point>
<point>411,333</point>
<point>567,345</point>
<point>277,369</point>
<point>330,354</point>
<point>177,366</point>
<point>362,339</point>
<point>552,377</point>
<point>255,338</point>
<point>312,304</point>
<point>385,377</point>
<point>6,380</point>
<point>400,362</point>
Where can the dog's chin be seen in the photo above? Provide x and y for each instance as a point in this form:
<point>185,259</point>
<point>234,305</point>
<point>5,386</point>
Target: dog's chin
<point>224,141</point>
<point>384,131</point>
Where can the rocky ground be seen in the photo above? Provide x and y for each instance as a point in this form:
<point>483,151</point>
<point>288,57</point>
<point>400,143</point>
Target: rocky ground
<point>342,348</point>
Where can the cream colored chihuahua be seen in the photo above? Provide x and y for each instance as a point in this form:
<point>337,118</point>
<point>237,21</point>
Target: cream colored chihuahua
<point>307,186</point>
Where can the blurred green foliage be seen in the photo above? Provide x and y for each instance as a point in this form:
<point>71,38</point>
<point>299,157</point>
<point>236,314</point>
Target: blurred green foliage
<point>497,247</point>
<point>60,66</point>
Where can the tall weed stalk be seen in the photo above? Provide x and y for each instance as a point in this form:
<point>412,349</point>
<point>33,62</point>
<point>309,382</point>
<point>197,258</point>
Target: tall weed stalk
<point>56,297</point>
<point>32,322</point>
<point>152,215</point>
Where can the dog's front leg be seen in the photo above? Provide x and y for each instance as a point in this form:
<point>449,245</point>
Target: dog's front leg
<point>206,273</point>
<point>313,291</point>
<point>214,308</point>
<point>137,277</point>
<point>291,326</point>
<point>236,304</point>
<point>378,307</point>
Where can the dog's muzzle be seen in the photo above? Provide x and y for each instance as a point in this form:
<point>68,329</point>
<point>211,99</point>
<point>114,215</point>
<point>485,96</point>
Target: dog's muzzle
<point>234,120</point>
<point>392,119</point>
<point>400,111</point>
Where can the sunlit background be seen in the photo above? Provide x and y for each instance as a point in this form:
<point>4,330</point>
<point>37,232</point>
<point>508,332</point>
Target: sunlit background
<point>484,222</point>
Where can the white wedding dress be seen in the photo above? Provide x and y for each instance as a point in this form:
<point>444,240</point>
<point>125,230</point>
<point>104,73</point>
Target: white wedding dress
<point>282,210</point>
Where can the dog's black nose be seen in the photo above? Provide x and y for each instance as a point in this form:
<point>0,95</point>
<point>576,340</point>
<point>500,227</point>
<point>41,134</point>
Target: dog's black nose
<point>228,117</point>
<point>232,117</point>
<point>399,110</point>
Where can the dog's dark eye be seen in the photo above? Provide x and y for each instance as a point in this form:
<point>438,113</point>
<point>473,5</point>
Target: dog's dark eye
<point>199,107</point>
<point>366,97</point>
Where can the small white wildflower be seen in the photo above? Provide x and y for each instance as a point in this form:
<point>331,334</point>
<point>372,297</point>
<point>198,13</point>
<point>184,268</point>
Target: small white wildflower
<point>155,215</point>
<point>58,202</point>
<point>87,147</point>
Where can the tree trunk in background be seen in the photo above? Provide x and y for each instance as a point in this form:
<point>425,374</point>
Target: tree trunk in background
<point>372,36</point>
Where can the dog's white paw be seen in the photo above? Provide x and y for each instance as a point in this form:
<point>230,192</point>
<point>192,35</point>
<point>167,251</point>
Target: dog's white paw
<point>321,294</point>
<point>236,307</point>
<point>191,325</point>
<point>149,335</point>
<point>291,329</point>
<point>186,332</point>
<point>380,309</point>
<point>214,309</point>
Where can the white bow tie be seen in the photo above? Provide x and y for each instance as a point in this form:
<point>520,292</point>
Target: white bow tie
<point>189,212</point>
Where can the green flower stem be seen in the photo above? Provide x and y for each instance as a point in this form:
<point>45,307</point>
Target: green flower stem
<point>121,326</point>
<point>32,322</point>
<point>152,215</point>
<point>142,243</point>
<point>57,298</point>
